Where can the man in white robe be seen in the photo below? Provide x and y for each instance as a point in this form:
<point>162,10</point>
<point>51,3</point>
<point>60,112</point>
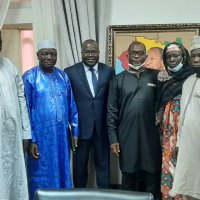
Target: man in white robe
<point>14,129</point>
<point>187,174</point>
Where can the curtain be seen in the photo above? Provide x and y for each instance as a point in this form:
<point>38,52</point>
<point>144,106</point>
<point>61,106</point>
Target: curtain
<point>4,4</point>
<point>69,23</point>
<point>103,16</point>
<point>44,22</point>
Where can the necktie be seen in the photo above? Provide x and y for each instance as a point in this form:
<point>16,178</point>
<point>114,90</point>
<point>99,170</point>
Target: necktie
<point>94,79</point>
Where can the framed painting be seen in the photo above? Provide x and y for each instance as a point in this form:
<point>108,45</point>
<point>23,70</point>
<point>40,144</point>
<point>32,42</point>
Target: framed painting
<point>152,35</point>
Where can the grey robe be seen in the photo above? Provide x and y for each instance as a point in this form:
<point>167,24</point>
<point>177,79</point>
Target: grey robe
<point>14,127</point>
<point>187,174</point>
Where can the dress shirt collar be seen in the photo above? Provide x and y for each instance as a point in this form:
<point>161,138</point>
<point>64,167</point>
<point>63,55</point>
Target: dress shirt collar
<point>88,68</point>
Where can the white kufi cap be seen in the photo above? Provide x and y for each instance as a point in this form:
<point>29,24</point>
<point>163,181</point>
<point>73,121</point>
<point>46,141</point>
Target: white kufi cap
<point>46,44</point>
<point>195,43</point>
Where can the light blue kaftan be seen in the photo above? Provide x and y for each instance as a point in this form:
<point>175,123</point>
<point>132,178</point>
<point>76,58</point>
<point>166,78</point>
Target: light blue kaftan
<point>51,107</point>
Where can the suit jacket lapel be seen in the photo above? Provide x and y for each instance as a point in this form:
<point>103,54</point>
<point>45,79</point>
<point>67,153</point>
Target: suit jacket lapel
<point>100,77</point>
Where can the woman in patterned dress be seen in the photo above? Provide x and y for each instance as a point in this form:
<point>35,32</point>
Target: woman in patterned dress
<point>177,64</point>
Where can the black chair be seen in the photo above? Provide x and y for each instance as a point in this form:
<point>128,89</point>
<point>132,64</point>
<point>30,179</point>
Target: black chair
<point>90,194</point>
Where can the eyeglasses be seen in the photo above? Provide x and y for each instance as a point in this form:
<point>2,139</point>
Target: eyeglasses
<point>136,53</point>
<point>47,54</point>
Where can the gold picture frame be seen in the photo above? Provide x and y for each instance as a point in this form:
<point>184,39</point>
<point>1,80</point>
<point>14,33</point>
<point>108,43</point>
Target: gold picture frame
<point>121,36</point>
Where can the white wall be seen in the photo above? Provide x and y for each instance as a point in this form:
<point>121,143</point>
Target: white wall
<point>125,12</point>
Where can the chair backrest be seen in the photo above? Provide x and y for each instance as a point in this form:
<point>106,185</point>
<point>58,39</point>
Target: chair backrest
<point>91,194</point>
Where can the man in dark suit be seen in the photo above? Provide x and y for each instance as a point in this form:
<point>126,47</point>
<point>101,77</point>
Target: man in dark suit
<point>90,83</point>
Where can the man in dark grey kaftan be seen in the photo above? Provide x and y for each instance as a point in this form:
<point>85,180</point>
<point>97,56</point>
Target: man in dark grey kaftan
<point>131,122</point>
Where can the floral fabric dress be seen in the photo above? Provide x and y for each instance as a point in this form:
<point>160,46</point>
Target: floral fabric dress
<point>169,131</point>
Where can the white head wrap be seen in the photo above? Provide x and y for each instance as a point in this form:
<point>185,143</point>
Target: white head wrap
<point>195,43</point>
<point>172,47</point>
<point>43,44</point>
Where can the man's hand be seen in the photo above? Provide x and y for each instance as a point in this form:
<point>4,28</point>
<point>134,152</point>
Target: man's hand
<point>25,145</point>
<point>115,148</point>
<point>33,150</point>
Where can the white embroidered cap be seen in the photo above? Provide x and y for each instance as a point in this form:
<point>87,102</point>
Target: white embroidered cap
<point>195,43</point>
<point>46,44</point>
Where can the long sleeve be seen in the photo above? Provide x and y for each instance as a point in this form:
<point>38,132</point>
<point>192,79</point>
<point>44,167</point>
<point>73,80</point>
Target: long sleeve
<point>26,128</point>
<point>28,94</point>
<point>73,113</point>
<point>113,112</point>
